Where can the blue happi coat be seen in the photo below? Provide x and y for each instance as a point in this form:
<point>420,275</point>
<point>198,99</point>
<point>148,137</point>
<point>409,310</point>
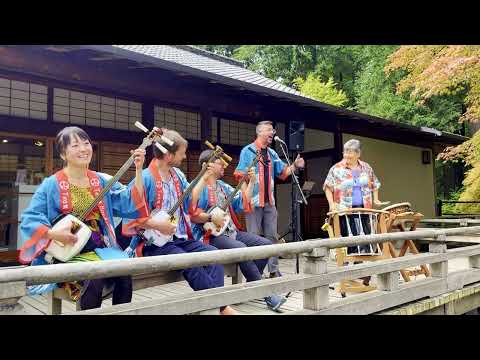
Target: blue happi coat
<point>276,168</point>
<point>155,199</point>
<point>51,199</point>
<point>239,204</point>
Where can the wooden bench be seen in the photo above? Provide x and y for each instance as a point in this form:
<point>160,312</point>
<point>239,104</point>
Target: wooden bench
<point>140,281</point>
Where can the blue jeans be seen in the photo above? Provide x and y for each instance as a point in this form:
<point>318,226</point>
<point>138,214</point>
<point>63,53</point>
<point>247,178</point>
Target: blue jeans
<point>199,278</point>
<point>251,269</point>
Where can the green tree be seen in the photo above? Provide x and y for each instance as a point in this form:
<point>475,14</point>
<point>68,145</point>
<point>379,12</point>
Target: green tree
<point>325,92</point>
<point>358,71</point>
<point>375,94</point>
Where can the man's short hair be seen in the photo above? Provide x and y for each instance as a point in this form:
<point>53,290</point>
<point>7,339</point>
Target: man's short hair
<point>262,123</point>
<point>204,156</point>
<point>177,139</point>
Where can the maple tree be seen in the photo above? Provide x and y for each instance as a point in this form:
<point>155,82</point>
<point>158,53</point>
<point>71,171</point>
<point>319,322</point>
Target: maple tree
<point>446,70</point>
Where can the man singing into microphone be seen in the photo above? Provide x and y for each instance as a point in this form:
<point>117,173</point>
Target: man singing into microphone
<point>263,218</point>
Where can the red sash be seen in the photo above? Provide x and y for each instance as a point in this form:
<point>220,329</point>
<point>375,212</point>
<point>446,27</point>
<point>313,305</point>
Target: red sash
<point>262,187</point>
<point>159,191</point>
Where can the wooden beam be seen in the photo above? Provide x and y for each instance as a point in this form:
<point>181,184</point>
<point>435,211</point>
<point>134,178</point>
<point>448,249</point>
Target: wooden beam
<point>103,58</point>
<point>142,66</point>
<point>83,76</point>
<point>203,299</point>
<point>59,49</point>
<point>28,126</point>
<point>375,301</point>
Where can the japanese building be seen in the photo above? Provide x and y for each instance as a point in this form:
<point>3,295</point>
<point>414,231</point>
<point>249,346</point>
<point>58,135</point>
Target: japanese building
<point>106,89</point>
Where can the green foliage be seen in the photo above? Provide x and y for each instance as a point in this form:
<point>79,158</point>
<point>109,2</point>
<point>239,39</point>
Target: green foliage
<point>324,92</point>
<point>452,208</point>
<point>376,95</point>
<point>471,183</point>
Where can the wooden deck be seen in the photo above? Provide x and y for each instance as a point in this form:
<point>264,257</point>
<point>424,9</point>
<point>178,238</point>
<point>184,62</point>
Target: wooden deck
<point>37,305</point>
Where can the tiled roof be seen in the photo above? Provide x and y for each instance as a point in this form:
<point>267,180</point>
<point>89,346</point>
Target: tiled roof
<point>204,61</point>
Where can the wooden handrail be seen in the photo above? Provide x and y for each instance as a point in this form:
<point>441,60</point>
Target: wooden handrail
<point>112,268</point>
<point>450,221</point>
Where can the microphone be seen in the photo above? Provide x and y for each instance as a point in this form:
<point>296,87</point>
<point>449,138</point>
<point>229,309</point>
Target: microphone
<point>276,138</point>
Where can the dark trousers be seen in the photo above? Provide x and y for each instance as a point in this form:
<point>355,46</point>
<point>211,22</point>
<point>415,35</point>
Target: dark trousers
<point>352,220</point>
<point>251,269</point>
<point>199,278</point>
<point>91,294</point>
<point>92,290</point>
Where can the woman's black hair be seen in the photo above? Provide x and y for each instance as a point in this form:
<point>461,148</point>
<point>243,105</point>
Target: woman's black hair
<point>65,135</point>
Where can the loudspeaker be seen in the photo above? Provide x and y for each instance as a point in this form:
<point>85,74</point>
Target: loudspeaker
<point>296,135</point>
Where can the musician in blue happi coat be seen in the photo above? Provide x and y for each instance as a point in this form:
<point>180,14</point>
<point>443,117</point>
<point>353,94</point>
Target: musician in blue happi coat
<point>72,190</point>
<point>215,193</point>
<point>263,217</point>
<point>164,184</point>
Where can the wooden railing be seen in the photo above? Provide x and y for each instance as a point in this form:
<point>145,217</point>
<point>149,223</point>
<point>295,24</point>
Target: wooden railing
<point>449,222</point>
<point>314,281</point>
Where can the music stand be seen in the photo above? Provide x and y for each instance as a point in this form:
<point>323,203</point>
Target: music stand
<point>307,188</point>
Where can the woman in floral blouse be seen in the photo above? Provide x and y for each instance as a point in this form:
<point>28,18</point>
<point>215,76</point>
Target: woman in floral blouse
<point>351,183</point>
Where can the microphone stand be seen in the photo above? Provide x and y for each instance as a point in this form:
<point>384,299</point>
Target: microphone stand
<point>295,203</point>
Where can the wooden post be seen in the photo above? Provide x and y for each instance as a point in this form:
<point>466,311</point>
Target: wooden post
<point>237,278</point>
<point>474,261</point>
<point>54,306</point>
<point>388,281</point>
<point>439,269</point>
<point>10,293</point>
<point>49,166</point>
<point>316,263</point>
<point>206,125</point>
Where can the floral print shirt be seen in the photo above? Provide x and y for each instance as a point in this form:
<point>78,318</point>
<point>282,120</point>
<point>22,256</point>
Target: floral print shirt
<point>340,181</point>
